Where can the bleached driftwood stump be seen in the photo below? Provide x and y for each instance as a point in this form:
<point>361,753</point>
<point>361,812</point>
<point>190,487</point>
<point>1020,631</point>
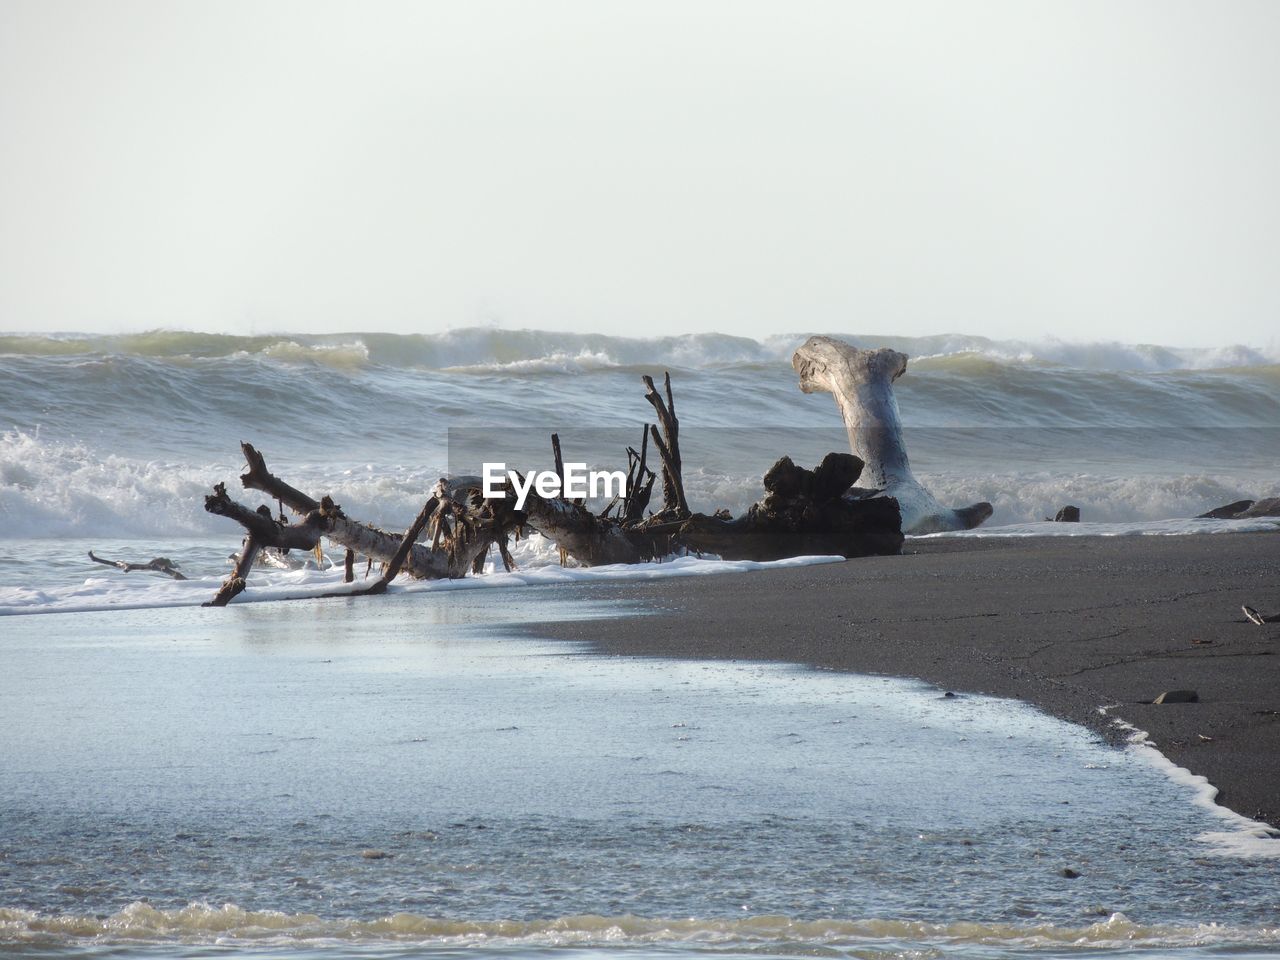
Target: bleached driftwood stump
<point>862,383</point>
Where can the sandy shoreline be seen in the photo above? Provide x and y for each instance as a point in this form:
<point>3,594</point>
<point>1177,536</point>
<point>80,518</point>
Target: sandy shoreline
<point>1067,624</point>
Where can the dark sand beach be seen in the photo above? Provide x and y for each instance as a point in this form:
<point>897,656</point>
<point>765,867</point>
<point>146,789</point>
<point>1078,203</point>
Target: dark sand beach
<point>1069,624</point>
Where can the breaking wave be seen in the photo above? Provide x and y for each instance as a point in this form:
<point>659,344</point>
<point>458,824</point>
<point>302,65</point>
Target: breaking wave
<point>52,488</point>
<point>122,436</point>
<point>483,348</point>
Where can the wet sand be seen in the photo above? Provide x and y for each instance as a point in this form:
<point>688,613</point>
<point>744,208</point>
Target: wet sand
<point>1068,624</point>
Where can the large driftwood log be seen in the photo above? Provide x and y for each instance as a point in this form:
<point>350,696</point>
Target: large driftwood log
<point>591,540</point>
<point>464,524</point>
<point>630,537</point>
<point>862,383</point>
<point>804,513</point>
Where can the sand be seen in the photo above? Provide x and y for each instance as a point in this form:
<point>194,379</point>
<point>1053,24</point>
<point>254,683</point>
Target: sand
<point>1068,624</point>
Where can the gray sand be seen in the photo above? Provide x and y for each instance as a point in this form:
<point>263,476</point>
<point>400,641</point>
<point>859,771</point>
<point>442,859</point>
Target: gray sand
<point>1068,624</point>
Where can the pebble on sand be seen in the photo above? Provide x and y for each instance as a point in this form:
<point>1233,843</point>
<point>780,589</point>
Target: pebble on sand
<point>1178,696</point>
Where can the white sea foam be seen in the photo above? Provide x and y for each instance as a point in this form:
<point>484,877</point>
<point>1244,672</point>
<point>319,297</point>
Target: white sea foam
<point>119,592</point>
<point>230,925</point>
<point>1245,838</point>
<point>54,489</point>
<point>557,362</point>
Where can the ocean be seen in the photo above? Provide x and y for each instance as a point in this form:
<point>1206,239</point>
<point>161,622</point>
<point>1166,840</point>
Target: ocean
<point>416,775</point>
<point>120,437</point>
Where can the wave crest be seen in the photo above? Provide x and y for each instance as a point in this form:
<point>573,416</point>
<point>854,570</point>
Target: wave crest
<point>540,351</point>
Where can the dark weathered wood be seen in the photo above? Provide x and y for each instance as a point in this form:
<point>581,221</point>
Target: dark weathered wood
<point>579,533</point>
<point>234,584</point>
<point>668,446</point>
<point>158,565</point>
<point>449,558</point>
<point>349,567</point>
<point>559,458</point>
<point>266,530</point>
<point>258,477</point>
<point>803,513</point>
<point>639,481</point>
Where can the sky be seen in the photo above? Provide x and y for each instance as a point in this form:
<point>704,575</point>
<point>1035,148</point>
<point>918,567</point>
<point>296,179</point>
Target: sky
<point>1083,170</point>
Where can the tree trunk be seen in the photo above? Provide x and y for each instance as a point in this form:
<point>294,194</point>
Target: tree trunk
<point>803,513</point>
<point>592,541</point>
<point>862,383</point>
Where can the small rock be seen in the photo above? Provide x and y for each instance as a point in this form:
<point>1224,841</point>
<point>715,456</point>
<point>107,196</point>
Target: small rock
<point>1069,873</point>
<point>1178,696</point>
<point>1228,511</point>
<point>1269,507</point>
<point>375,854</point>
<point>1067,514</point>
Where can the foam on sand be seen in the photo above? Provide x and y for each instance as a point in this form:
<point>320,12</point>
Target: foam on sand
<point>231,924</point>
<point>1246,838</point>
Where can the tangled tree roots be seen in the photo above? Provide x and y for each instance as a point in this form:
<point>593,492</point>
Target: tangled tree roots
<point>803,512</point>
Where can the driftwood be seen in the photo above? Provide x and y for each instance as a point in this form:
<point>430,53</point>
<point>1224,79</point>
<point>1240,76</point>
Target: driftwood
<point>463,525</point>
<point>629,536</point>
<point>1257,618</point>
<point>234,585</point>
<point>674,504</point>
<point>639,482</point>
<point>804,512</point>
<point>158,565</point>
<point>263,530</point>
<point>862,383</point>
<point>590,539</point>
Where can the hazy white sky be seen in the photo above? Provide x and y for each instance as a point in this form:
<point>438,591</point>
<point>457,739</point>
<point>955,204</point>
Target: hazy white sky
<point>1090,170</point>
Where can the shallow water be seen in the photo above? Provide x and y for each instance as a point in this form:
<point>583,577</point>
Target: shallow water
<point>410,776</point>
